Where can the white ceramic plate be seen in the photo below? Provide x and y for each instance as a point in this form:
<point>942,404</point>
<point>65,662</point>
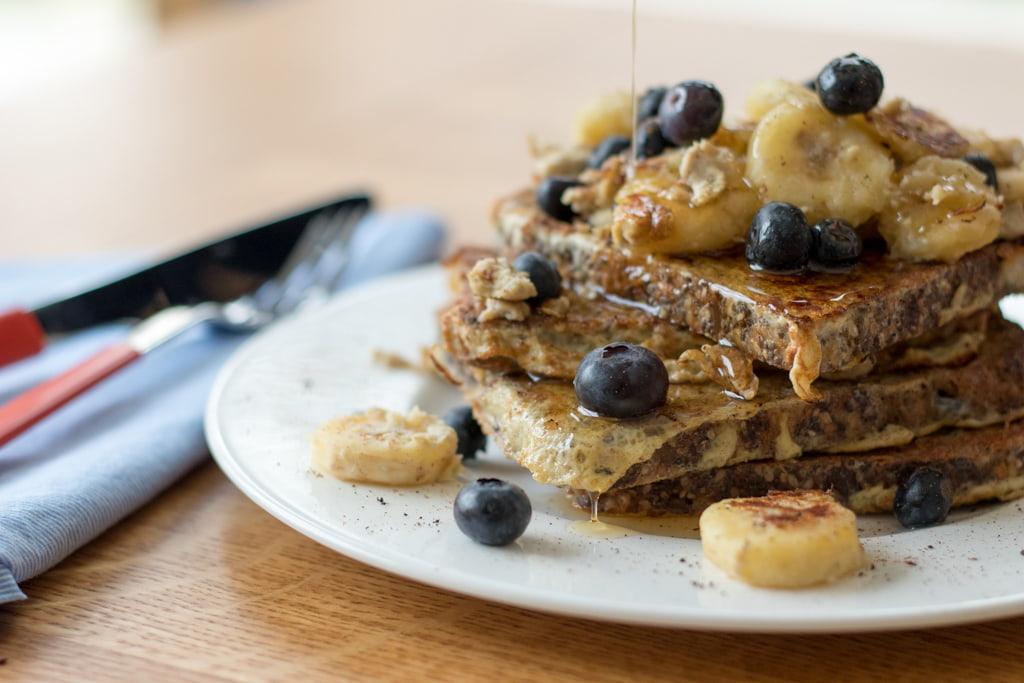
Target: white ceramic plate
<point>289,379</point>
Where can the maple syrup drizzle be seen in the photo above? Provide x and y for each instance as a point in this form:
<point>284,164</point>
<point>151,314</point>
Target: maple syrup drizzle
<point>632,88</point>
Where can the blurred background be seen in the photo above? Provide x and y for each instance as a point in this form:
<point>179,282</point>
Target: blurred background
<point>45,42</point>
<point>128,124</point>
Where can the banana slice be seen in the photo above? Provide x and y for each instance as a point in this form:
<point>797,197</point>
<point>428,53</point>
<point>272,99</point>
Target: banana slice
<point>768,94</point>
<point>1000,151</point>
<point>685,201</point>
<point>610,114</point>
<point>914,133</point>
<point>941,210</point>
<point>1011,182</point>
<point>830,166</point>
<point>384,447</point>
<point>782,540</point>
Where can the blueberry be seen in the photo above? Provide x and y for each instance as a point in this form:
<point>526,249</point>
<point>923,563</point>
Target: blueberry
<point>850,85</point>
<point>621,380</point>
<point>467,429</point>
<point>549,196</point>
<point>609,147</point>
<point>650,102</point>
<point>923,499</point>
<point>779,239</point>
<point>690,111</point>
<point>649,140</point>
<point>492,511</point>
<point>835,246</point>
<point>985,165</point>
<point>543,274</point>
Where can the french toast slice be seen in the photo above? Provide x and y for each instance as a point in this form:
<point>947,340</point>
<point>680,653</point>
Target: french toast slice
<point>551,343</point>
<point>547,344</point>
<point>537,422</point>
<point>807,326</point>
<point>982,464</point>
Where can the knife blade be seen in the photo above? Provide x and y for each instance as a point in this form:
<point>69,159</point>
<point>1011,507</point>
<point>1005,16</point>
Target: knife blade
<point>220,271</point>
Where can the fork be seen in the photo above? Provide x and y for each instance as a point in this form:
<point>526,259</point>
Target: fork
<point>309,274</point>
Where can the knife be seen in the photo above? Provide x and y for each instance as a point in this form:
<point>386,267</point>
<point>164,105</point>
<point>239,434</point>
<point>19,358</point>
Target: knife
<point>218,271</point>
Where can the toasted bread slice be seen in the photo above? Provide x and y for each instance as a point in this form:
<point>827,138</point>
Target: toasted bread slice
<point>537,422</point>
<point>808,326</point>
<point>548,344</point>
<point>551,341</point>
<point>982,464</point>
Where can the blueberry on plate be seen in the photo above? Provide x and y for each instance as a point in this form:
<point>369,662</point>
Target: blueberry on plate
<point>985,165</point>
<point>690,111</point>
<point>649,140</point>
<point>471,438</point>
<point>650,103</point>
<point>850,85</point>
<point>779,239</point>
<point>835,246</point>
<point>549,196</point>
<point>621,380</point>
<point>609,147</point>
<point>543,274</point>
<point>492,511</point>
<point>923,498</point>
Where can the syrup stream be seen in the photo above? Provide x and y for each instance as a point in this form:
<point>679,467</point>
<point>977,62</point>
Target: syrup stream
<point>594,527</point>
<point>632,87</point>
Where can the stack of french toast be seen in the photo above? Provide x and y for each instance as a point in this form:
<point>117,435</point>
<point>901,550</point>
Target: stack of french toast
<point>845,379</point>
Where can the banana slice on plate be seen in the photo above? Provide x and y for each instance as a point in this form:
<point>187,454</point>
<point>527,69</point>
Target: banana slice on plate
<point>787,539</point>
<point>385,447</point>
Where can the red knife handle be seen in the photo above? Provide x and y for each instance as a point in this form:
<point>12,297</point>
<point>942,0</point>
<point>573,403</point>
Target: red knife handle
<point>21,335</point>
<point>28,408</point>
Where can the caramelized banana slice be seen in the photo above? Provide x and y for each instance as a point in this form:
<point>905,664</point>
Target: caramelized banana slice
<point>914,133</point>
<point>830,166</point>
<point>384,447</point>
<point>782,540</point>
<point>941,210</point>
<point>697,200</point>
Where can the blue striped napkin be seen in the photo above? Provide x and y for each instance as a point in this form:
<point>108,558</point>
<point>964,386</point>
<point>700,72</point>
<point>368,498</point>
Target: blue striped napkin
<point>113,449</point>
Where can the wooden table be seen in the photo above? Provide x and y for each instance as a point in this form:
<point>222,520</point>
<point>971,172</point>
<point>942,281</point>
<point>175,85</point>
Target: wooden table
<point>262,109</point>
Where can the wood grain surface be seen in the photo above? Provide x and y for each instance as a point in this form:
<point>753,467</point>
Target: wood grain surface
<point>261,109</point>
<point>203,585</point>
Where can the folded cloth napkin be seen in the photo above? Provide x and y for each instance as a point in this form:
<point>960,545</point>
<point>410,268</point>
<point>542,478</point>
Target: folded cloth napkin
<point>114,448</point>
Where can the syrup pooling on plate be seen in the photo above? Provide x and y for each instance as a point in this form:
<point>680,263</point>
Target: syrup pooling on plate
<point>594,527</point>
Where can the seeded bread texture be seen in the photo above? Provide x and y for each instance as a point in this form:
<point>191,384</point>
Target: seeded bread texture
<point>982,464</point>
<point>538,423</point>
<point>808,326</point>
